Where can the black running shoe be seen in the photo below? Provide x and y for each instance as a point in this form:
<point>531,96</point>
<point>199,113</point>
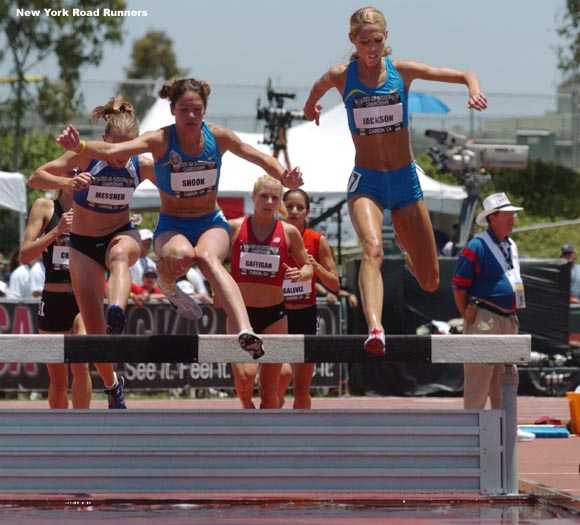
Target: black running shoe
<point>116,400</point>
<point>251,343</point>
<point>115,319</point>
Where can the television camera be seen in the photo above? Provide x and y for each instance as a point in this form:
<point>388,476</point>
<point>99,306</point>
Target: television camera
<point>277,118</point>
<point>469,162</point>
<point>461,155</point>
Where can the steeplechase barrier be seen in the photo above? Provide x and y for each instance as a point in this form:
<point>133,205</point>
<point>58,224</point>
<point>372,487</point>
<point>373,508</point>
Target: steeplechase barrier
<point>274,451</point>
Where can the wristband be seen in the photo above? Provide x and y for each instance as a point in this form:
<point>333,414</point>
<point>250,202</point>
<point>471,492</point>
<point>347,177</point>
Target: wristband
<point>83,147</point>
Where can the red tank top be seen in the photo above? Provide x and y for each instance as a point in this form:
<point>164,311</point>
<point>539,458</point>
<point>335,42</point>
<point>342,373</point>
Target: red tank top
<point>255,261</point>
<point>304,292</point>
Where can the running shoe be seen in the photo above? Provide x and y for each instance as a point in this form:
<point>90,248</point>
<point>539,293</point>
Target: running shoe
<point>185,305</point>
<point>115,319</point>
<point>251,343</point>
<point>524,436</point>
<point>375,342</point>
<point>116,400</point>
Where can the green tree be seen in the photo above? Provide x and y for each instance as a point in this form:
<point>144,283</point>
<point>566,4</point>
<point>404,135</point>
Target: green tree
<point>547,190</point>
<point>569,53</point>
<point>74,41</point>
<point>152,58</point>
<point>37,149</point>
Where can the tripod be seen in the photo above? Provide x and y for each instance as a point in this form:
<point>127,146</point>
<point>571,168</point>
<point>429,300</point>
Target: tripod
<point>281,144</point>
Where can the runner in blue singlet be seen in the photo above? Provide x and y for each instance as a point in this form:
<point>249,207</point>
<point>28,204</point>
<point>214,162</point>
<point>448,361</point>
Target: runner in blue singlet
<point>102,237</point>
<point>191,226</point>
<point>374,88</point>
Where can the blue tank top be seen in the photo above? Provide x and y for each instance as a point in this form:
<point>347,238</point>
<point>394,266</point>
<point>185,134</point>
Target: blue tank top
<point>375,110</point>
<point>111,189</point>
<point>184,177</point>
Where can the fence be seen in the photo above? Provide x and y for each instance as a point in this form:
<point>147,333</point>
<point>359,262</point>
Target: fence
<point>548,123</point>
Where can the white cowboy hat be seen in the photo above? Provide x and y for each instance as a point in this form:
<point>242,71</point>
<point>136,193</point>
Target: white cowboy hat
<point>493,203</point>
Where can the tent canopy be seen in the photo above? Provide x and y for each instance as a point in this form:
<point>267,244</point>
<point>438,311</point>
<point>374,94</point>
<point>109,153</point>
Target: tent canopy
<point>13,191</point>
<point>324,153</point>
<point>13,196</point>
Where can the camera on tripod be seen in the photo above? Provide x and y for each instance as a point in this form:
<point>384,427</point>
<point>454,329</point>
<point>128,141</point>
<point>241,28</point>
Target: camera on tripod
<point>276,117</point>
<point>461,156</point>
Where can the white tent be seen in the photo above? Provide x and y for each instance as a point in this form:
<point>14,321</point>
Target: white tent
<point>13,196</point>
<point>324,153</point>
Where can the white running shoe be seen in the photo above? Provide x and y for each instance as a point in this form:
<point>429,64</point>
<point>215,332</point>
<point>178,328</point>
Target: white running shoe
<point>185,305</point>
<point>525,437</point>
<point>251,343</point>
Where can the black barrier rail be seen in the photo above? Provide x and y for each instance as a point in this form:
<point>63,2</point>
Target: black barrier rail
<point>279,349</point>
<point>157,319</point>
<point>186,349</point>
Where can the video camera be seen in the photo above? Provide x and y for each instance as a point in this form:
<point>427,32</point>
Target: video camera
<point>276,117</point>
<point>461,156</point>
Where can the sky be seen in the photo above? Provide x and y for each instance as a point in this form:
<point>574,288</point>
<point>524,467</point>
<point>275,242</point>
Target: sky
<point>509,43</point>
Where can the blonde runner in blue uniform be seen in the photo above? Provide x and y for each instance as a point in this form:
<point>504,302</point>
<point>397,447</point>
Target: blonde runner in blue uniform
<point>192,228</point>
<point>101,236</point>
<point>374,88</point>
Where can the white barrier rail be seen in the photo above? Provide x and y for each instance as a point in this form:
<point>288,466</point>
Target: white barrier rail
<point>477,453</point>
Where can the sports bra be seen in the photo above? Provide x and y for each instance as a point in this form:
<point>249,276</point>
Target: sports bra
<point>111,189</point>
<point>184,177</point>
<point>55,256</point>
<point>255,261</point>
<point>375,110</point>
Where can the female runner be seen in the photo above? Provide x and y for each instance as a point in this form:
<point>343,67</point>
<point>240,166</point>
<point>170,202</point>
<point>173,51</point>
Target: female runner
<point>301,297</point>
<point>191,227</point>
<point>375,88</point>
<point>46,235</point>
<point>102,237</point>
<point>262,247</point>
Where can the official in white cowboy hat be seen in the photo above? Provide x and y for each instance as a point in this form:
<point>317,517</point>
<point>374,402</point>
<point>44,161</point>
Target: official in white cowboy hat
<point>494,203</point>
<point>488,290</point>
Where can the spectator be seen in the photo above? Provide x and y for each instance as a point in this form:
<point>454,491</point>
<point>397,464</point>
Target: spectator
<point>449,249</point>
<point>3,265</point>
<point>333,298</point>
<point>488,291</point>
<point>37,275</point>
<point>569,252</point>
<point>148,291</point>
<point>26,281</point>
<point>144,262</point>
<point>194,284</point>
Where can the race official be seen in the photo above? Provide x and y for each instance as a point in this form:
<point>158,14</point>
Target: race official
<point>488,290</point>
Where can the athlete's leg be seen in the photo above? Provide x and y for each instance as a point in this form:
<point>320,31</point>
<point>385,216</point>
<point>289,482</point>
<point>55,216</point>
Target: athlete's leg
<point>210,251</point>
<point>82,387</point>
<point>415,236</point>
<point>303,373</point>
<point>367,219</point>
<point>58,386</point>
<point>284,382</point>
<point>88,280</point>
<point>122,253</point>
<point>175,256</point>
<point>270,372</point>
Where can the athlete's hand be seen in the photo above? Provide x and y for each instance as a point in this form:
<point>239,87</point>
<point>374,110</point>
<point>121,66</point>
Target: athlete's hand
<point>80,182</point>
<point>292,179</point>
<point>70,139</point>
<point>477,101</point>
<point>65,222</point>
<point>313,112</point>
<point>292,273</point>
